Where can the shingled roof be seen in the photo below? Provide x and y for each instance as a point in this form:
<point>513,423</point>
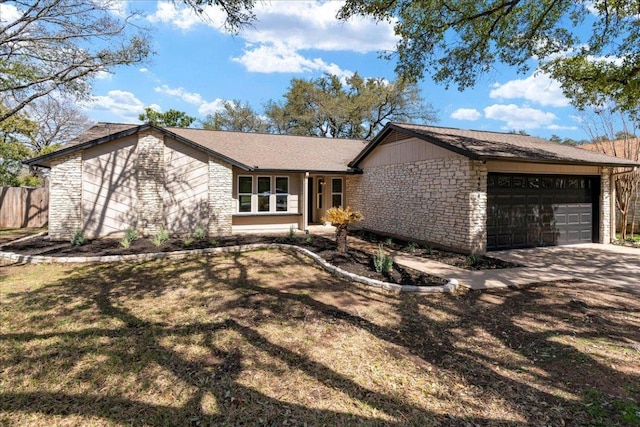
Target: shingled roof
<point>249,151</point>
<point>483,145</point>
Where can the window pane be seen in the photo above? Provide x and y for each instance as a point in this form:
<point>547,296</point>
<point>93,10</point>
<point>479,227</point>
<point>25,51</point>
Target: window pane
<point>245,184</point>
<point>244,203</point>
<point>264,185</point>
<point>336,200</point>
<point>263,203</point>
<point>518,182</point>
<point>504,182</point>
<point>320,201</point>
<point>281,202</point>
<point>336,185</point>
<point>282,185</point>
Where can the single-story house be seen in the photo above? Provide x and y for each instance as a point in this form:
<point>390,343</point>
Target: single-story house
<point>629,149</point>
<point>470,191</point>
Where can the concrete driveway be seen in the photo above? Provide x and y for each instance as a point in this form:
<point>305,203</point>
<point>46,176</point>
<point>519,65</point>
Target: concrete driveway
<point>609,265</point>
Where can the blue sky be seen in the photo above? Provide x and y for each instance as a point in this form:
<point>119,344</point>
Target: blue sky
<point>197,66</point>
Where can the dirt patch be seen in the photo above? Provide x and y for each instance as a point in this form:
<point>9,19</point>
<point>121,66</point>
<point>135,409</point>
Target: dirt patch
<point>467,262</point>
<point>355,261</point>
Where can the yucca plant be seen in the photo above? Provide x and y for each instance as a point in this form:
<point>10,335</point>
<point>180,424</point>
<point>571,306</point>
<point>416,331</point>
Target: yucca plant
<point>340,218</point>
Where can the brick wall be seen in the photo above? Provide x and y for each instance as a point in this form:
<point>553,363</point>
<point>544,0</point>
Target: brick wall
<point>65,198</point>
<point>441,201</point>
<point>220,197</point>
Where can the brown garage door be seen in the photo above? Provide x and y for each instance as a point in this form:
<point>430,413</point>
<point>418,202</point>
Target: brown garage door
<point>541,210</point>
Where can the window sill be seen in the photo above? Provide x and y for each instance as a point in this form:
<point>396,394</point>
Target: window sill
<point>267,214</point>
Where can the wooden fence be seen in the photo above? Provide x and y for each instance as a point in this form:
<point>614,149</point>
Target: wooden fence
<point>22,207</point>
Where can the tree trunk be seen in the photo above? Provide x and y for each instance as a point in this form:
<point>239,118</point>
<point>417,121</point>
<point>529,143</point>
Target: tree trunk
<point>341,239</point>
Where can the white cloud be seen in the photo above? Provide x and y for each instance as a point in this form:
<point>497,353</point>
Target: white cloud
<point>9,13</point>
<point>559,127</point>
<point>539,88</point>
<point>184,17</point>
<point>143,70</point>
<point>121,104</point>
<point>519,118</point>
<point>117,7</point>
<point>281,59</point>
<point>284,29</point>
<point>466,114</point>
<point>103,75</point>
<point>204,107</point>
<point>212,107</point>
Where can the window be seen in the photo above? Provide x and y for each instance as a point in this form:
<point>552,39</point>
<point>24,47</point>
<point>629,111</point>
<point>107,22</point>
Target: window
<point>264,193</point>
<point>336,192</point>
<point>320,184</point>
<point>245,189</point>
<point>282,194</point>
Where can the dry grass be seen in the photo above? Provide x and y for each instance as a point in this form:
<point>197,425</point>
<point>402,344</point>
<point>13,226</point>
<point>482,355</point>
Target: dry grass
<point>265,338</point>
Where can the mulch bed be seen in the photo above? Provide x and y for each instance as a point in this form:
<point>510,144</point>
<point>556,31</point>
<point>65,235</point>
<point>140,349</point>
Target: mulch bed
<point>467,262</point>
<point>354,261</point>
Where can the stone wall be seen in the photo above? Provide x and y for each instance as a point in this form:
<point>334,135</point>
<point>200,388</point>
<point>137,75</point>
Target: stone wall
<point>605,206</point>
<point>440,201</point>
<point>150,179</point>
<point>65,198</point>
<point>220,197</point>
<point>353,191</point>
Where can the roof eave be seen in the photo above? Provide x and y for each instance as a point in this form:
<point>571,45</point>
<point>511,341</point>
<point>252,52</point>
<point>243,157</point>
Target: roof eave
<point>560,161</point>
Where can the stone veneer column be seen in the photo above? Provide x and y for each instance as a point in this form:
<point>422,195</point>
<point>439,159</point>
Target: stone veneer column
<point>220,197</point>
<point>477,207</point>
<point>65,197</point>
<point>605,206</point>
<point>150,177</point>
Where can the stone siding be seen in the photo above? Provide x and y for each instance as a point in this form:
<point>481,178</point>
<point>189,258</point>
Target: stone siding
<point>353,191</point>
<point>441,201</point>
<point>65,199</point>
<point>220,197</point>
<point>605,206</point>
<point>151,180</point>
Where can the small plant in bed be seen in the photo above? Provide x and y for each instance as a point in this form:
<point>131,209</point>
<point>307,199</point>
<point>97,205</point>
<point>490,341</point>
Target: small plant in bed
<point>77,239</point>
<point>382,262</point>
<point>161,236</point>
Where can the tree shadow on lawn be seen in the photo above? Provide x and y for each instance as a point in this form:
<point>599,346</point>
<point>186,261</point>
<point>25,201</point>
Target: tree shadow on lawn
<point>491,358</point>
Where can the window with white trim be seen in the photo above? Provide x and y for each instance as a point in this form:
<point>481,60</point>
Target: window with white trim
<point>336,192</point>
<point>245,191</point>
<point>264,194</point>
<point>282,193</point>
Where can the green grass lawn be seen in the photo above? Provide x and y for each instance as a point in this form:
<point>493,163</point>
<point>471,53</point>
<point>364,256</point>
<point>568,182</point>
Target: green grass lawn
<point>266,338</point>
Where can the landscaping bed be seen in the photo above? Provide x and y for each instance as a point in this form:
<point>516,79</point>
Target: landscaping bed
<point>354,261</point>
<point>467,262</point>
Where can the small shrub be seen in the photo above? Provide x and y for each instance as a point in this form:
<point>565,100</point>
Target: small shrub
<point>131,234</point>
<point>213,242</point>
<point>187,241</point>
<point>200,233</point>
<point>412,246</point>
<point>472,259</point>
<point>309,240</point>
<point>388,241</point>
<point>161,236</point>
<point>430,250</point>
<point>291,236</point>
<point>77,239</point>
<point>125,243</point>
<point>382,262</point>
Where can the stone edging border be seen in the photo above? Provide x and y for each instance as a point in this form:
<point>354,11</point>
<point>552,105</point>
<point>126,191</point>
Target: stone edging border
<point>451,285</point>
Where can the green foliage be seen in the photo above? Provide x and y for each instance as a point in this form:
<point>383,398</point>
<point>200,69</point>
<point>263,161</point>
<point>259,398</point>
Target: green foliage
<point>200,233</point>
<point>187,241</point>
<point>382,262</point>
<point>236,116</point>
<point>160,237</point>
<point>309,240</point>
<point>291,236</point>
<point>213,242</point>
<point>388,241</point>
<point>592,47</point>
<point>472,259</point>
<point>170,118</point>
<point>27,180</point>
<point>412,246</point>
<point>608,410</point>
<point>77,238</point>
<point>357,108</point>
<point>15,133</point>
<point>130,235</point>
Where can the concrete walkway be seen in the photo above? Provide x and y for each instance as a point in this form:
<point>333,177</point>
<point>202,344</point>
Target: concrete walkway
<point>609,265</point>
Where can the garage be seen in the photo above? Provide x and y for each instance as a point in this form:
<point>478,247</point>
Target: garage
<point>541,210</point>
